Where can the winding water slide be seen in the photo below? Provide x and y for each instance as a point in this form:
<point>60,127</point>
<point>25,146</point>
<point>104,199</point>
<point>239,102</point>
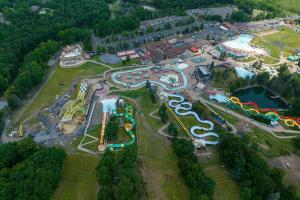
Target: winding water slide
<point>182,108</point>
<point>128,127</point>
<point>75,108</point>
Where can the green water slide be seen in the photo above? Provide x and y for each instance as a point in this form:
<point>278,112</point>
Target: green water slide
<point>128,127</point>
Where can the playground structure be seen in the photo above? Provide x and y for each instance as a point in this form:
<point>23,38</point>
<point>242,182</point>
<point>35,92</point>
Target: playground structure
<point>198,60</point>
<point>169,78</point>
<point>129,125</point>
<point>293,58</point>
<point>269,113</point>
<point>75,108</point>
<point>182,108</point>
<point>129,116</point>
<point>243,73</point>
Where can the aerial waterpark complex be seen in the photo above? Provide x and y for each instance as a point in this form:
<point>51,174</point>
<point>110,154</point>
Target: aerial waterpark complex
<point>180,107</point>
<point>167,80</point>
<point>181,75</point>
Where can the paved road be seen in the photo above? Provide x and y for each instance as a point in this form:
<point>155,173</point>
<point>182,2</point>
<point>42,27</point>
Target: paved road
<point>210,28</point>
<point>251,121</point>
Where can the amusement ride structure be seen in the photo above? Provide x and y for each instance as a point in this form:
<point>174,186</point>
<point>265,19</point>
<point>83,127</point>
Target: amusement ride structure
<point>75,108</point>
<point>182,108</point>
<point>129,125</point>
<point>269,113</point>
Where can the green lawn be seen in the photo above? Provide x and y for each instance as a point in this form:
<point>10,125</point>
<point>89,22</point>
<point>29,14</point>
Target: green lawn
<point>249,59</point>
<point>269,60</point>
<point>229,118</point>
<point>290,5</point>
<point>79,179</point>
<point>221,81</point>
<point>269,145</point>
<point>226,188</point>
<point>93,131</point>
<point>59,83</point>
<point>130,63</point>
<point>284,40</point>
<point>274,50</point>
<point>114,8</point>
<point>159,161</point>
<point>286,36</point>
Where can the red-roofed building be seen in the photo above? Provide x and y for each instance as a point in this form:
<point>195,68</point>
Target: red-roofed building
<point>161,50</point>
<point>194,49</point>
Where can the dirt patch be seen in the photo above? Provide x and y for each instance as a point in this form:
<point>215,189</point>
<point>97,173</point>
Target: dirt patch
<point>268,32</point>
<point>291,166</point>
<point>244,127</point>
<point>265,147</point>
<point>69,128</point>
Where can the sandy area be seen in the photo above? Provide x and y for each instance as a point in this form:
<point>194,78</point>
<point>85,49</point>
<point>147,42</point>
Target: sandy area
<point>291,165</point>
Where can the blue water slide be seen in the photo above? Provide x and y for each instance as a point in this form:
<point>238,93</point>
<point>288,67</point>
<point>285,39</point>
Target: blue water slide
<point>182,108</point>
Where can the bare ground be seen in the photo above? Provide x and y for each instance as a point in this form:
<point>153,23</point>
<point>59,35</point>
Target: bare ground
<point>291,166</point>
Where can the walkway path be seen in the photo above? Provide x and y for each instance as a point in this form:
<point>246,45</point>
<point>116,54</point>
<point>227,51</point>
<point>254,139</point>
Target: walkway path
<point>100,63</point>
<point>154,116</point>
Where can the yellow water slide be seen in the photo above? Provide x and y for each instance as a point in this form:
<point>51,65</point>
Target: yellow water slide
<point>102,131</point>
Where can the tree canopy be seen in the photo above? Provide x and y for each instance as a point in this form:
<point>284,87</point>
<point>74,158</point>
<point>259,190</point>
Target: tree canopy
<point>256,178</point>
<point>28,171</point>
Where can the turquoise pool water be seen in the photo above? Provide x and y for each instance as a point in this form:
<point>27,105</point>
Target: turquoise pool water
<point>243,73</point>
<point>109,105</point>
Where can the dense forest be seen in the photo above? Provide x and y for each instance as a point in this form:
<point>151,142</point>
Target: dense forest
<point>257,180</point>
<point>28,171</point>
<point>118,175</point>
<point>32,37</point>
<point>201,186</point>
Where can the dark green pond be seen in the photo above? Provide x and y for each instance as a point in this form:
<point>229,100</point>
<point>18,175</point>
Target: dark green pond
<point>262,96</point>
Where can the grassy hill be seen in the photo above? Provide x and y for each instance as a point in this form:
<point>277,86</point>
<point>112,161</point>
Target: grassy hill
<point>290,5</point>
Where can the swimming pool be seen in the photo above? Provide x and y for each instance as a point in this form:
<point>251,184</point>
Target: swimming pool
<point>243,73</point>
<point>109,105</point>
<point>219,98</point>
<point>243,42</point>
<point>142,83</point>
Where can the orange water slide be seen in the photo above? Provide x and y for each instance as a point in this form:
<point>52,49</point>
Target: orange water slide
<point>102,131</point>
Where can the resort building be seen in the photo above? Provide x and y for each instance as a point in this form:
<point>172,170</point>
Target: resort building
<point>202,73</point>
<point>72,55</point>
